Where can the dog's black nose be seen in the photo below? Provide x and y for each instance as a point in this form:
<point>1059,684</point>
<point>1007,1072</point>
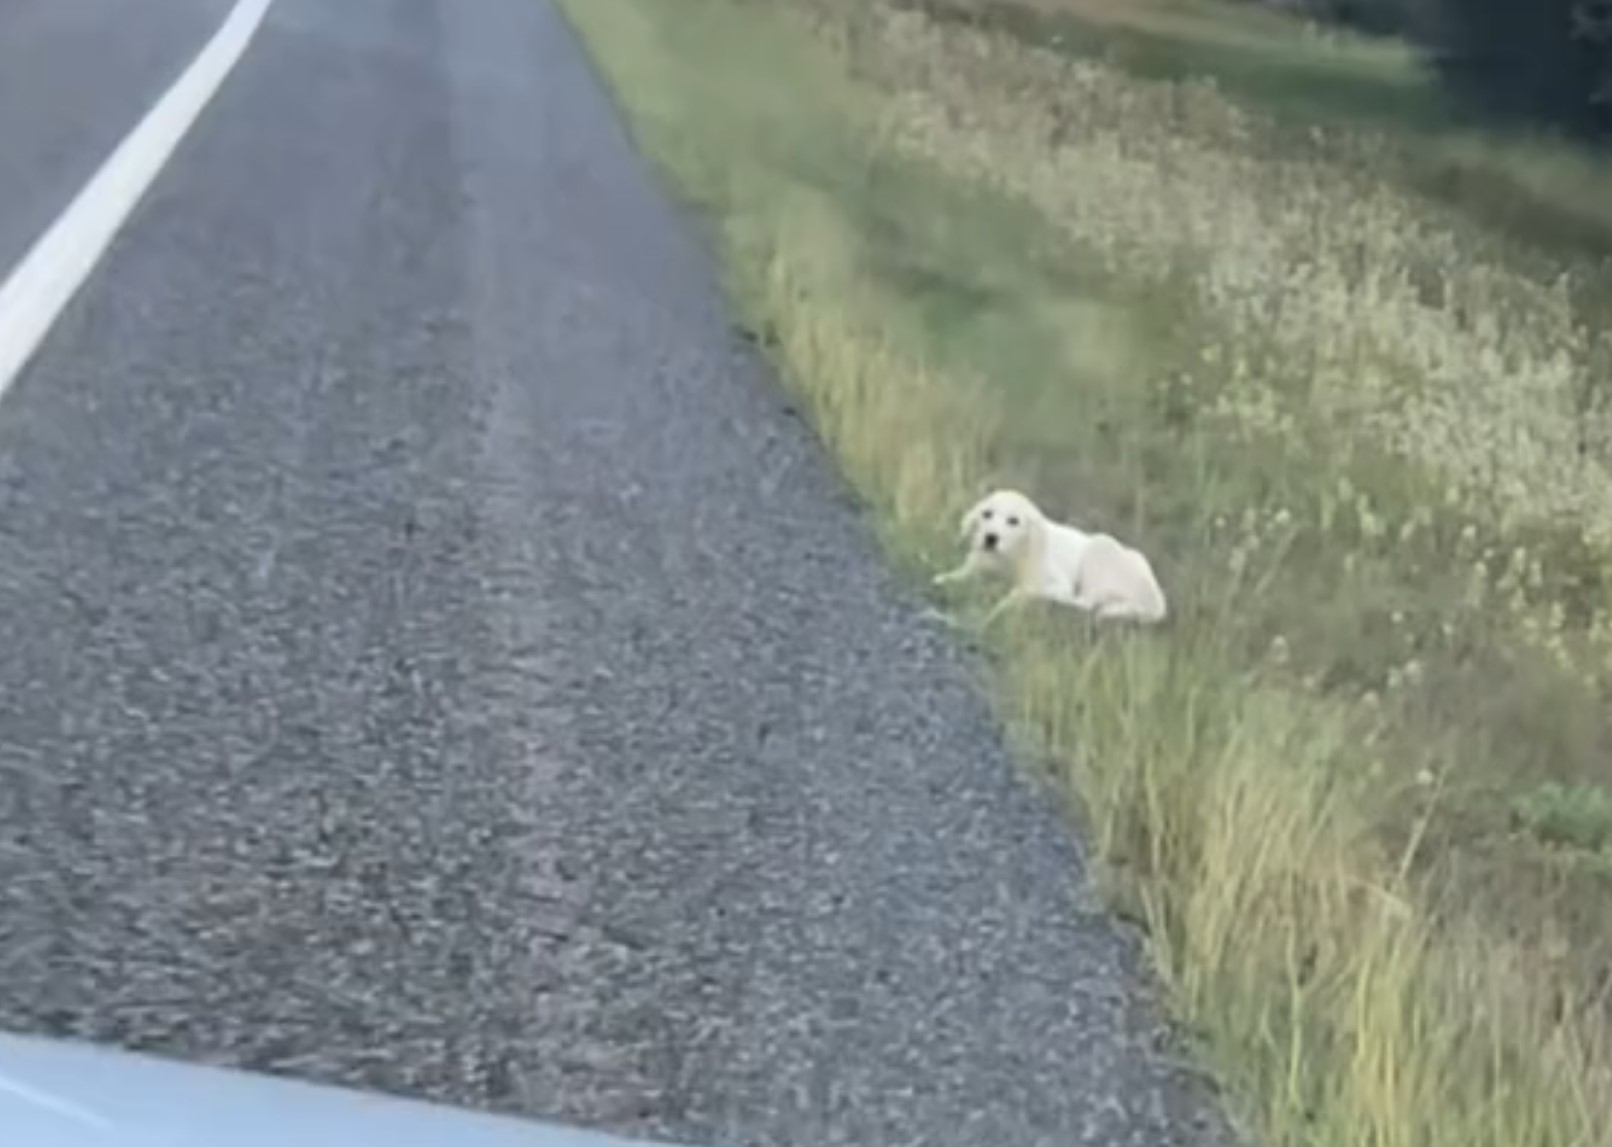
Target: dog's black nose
<point>990,541</point>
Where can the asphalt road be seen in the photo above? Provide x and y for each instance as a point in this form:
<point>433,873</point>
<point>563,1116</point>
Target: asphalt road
<point>74,77</point>
<point>436,658</point>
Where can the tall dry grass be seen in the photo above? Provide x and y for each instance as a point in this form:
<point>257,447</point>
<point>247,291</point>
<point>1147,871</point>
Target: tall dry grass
<point>1356,432</point>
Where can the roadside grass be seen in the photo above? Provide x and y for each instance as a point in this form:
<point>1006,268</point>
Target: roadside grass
<point>1301,70</point>
<point>1307,75</point>
<point>1356,790</point>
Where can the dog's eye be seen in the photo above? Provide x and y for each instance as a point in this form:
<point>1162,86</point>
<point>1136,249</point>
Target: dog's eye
<point>986,514</point>
<point>1012,521</point>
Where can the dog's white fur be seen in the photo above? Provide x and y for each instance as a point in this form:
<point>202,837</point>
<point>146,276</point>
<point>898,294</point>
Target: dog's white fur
<point>1007,534</point>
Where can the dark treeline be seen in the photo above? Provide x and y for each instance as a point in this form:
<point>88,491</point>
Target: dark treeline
<point>1545,61</point>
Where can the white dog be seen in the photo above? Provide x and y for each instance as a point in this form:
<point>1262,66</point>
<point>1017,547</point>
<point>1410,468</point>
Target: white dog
<point>1007,534</point>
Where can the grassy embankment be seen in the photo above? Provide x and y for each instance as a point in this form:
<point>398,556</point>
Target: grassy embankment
<point>1357,791</point>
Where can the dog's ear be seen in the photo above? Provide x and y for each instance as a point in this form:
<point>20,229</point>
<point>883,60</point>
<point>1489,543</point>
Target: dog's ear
<point>965,524</point>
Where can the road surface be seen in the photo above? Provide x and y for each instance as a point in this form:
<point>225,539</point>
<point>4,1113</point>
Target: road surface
<point>438,659</point>
<point>74,77</point>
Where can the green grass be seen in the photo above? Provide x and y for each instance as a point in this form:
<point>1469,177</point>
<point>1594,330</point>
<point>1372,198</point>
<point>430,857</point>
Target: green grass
<point>1301,71</point>
<point>1364,439</point>
<point>1551,193</point>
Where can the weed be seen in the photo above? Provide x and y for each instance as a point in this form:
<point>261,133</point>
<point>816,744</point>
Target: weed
<point>1573,816</point>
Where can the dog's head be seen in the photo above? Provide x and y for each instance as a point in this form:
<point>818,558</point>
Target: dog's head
<point>1001,524</point>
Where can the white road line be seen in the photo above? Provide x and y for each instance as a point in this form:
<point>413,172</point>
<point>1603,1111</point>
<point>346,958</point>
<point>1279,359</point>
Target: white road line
<point>63,257</point>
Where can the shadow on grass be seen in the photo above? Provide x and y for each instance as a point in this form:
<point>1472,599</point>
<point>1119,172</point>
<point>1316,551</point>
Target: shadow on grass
<point>1287,78</point>
<point>1488,194</point>
<point>1300,86</point>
